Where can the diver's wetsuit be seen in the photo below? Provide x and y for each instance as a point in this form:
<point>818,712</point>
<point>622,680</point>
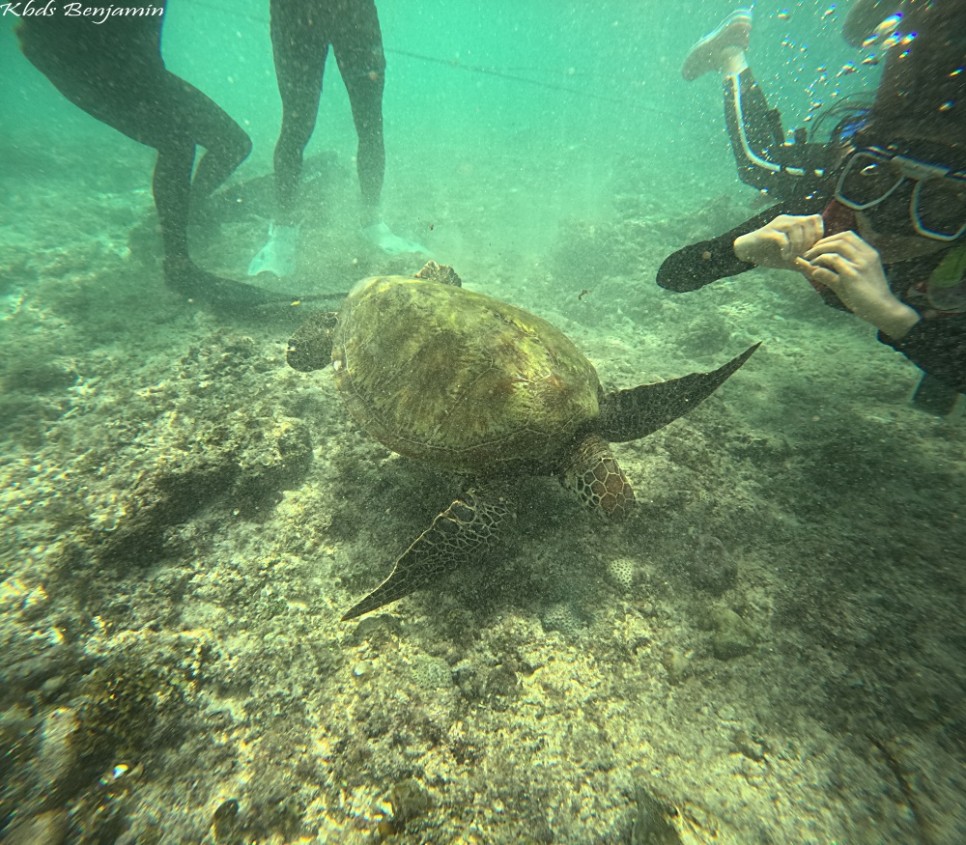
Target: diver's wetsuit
<point>797,175</point>
<point>302,32</point>
<point>705,262</point>
<point>801,177</point>
<point>115,72</point>
<point>765,161</point>
<point>936,344</point>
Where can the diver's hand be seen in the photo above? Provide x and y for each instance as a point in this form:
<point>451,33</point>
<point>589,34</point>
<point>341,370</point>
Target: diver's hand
<point>779,243</point>
<point>851,267</point>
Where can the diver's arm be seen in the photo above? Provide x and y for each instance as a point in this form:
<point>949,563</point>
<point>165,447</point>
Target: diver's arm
<point>937,346</point>
<point>707,261</point>
<point>700,264</point>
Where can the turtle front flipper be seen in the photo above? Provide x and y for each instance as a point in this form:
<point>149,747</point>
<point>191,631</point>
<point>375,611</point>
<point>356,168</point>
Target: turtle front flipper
<point>630,414</point>
<point>591,471</point>
<point>458,534</point>
<point>310,348</point>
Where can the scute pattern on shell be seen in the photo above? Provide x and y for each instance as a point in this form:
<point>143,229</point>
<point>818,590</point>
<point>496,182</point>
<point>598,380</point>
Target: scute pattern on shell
<point>444,374</point>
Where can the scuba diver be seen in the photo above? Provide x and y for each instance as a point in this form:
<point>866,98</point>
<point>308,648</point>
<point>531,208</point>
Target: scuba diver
<point>302,32</point>
<point>876,220</point>
<point>114,71</point>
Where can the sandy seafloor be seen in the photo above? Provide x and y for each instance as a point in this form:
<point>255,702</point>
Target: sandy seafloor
<point>770,650</point>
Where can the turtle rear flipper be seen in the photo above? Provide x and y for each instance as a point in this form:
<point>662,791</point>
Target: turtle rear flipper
<point>458,534</point>
<point>630,414</point>
<point>592,472</point>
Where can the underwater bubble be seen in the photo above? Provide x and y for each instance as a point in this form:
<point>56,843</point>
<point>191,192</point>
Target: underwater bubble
<point>888,24</point>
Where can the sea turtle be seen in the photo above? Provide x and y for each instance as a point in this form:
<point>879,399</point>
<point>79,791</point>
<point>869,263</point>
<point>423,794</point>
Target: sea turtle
<point>472,384</point>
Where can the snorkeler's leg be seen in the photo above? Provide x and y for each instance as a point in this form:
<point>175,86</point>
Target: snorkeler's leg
<point>144,109</point>
<point>753,128</point>
<point>225,143</point>
<point>362,63</point>
<point>300,43</point>
<point>764,160</point>
<point>172,197</point>
<point>722,49</point>
<point>365,97</point>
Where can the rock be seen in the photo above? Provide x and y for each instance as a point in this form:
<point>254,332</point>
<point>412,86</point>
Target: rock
<point>57,765</point>
<point>48,828</point>
<point>409,801</point>
<point>467,678</point>
<point>650,825</point>
<point>677,664</point>
<point>378,628</point>
<point>733,636</point>
<point>620,572</point>
<point>226,825</point>
<point>432,673</point>
<point>710,567</point>
<point>561,617</point>
<point>749,746</point>
<point>37,662</point>
<point>500,686</point>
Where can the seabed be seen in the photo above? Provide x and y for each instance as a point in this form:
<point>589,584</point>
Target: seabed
<point>770,650</point>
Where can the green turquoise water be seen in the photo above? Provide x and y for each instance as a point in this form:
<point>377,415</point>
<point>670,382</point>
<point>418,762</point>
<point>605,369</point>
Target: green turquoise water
<point>769,649</point>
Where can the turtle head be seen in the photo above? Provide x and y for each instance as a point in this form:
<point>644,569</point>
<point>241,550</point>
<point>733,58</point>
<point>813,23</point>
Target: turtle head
<point>442,273</point>
<point>310,348</point>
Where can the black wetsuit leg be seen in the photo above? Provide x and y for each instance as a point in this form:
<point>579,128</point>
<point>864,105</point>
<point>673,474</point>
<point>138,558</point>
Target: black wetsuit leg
<point>116,74</point>
<point>763,158</point>
<point>302,32</point>
<point>357,43</point>
<point>300,44</point>
<point>190,119</point>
